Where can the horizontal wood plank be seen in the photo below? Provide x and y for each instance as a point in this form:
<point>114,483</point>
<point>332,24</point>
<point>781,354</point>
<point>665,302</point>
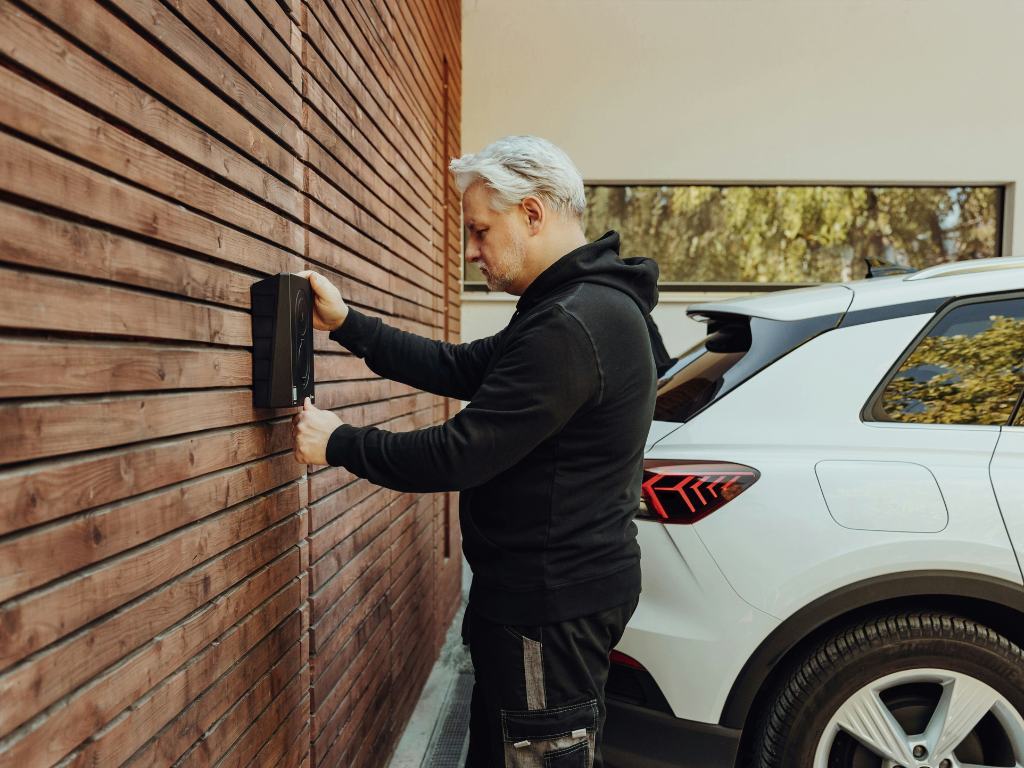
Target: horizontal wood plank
<point>364,595</point>
<point>36,174</point>
<point>284,739</point>
<point>36,47</point>
<point>266,24</point>
<point>33,685</point>
<point>325,480</point>
<point>78,368</point>
<point>32,239</point>
<point>336,501</point>
<point>95,705</point>
<point>53,427</point>
<point>341,368</point>
<point>281,111</point>
<point>37,557</point>
<point>96,28</point>
<point>298,755</point>
<point>253,680</point>
<point>52,489</point>
<point>42,115</point>
<point>34,620</point>
<point>248,748</point>
<point>329,713</point>
<point>36,301</point>
<point>117,743</point>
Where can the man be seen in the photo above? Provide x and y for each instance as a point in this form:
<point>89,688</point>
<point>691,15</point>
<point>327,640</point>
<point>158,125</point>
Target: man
<point>547,454</point>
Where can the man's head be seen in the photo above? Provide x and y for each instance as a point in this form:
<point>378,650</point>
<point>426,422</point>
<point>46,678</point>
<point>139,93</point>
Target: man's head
<point>523,204</point>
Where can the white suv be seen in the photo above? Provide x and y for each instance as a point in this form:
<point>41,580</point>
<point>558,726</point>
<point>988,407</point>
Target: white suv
<point>832,529</point>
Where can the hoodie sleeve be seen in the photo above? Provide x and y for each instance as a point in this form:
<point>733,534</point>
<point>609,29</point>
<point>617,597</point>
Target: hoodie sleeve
<point>548,373</point>
<point>449,370</point>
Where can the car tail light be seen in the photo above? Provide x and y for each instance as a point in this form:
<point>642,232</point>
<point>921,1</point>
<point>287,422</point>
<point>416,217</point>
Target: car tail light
<point>617,657</point>
<point>688,491</point>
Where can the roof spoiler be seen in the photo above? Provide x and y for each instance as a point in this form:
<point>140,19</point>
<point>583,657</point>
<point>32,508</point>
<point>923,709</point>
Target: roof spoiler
<point>881,268</point>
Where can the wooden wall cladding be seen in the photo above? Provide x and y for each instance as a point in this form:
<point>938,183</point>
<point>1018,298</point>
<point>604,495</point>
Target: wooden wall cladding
<point>174,589</point>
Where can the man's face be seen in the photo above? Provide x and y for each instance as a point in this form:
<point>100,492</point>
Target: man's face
<point>497,241</point>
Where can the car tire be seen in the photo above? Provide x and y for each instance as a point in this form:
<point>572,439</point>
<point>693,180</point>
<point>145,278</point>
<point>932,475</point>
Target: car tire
<point>905,661</point>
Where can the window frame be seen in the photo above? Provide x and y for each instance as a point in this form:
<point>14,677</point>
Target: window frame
<point>1006,190</point>
<point>869,411</point>
<point>1016,413</point>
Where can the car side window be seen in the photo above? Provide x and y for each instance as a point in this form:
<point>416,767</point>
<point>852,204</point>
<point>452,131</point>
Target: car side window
<point>968,369</point>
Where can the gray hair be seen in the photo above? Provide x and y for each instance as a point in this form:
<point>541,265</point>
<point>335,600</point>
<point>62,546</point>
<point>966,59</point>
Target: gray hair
<point>517,167</point>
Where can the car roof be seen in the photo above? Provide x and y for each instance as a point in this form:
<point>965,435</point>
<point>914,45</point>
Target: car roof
<point>964,278</point>
<point>791,304</point>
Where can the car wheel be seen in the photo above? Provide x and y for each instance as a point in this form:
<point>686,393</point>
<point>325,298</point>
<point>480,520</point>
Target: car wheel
<point>911,690</point>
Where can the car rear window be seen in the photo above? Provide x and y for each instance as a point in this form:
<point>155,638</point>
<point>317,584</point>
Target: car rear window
<point>968,368</point>
<point>736,348</point>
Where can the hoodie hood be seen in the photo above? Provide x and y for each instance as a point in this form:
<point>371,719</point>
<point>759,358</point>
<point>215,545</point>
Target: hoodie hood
<point>598,262</point>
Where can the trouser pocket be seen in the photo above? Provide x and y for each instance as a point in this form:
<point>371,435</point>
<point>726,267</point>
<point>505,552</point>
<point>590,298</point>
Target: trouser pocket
<point>577,756</point>
<point>563,737</point>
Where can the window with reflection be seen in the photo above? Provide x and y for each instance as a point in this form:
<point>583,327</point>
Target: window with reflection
<point>696,379</point>
<point>718,235</point>
<point>969,369</point>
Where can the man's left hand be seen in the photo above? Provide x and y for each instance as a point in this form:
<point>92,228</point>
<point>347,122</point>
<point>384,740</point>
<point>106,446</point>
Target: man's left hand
<point>311,429</point>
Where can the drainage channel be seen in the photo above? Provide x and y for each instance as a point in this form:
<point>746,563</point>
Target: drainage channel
<point>452,740</point>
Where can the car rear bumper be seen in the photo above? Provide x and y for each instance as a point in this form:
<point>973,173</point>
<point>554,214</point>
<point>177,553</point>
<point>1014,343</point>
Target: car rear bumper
<point>635,737</point>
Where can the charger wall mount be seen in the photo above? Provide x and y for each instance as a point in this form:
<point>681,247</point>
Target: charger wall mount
<point>282,341</point>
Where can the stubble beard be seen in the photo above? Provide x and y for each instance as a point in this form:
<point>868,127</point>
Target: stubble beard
<point>506,270</point>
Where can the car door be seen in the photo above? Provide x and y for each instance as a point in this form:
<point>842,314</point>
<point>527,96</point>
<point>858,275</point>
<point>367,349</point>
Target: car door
<point>1007,468</point>
<point>938,418</point>
<point>996,348</point>
<point>1007,472</point>
<point>965,374</point>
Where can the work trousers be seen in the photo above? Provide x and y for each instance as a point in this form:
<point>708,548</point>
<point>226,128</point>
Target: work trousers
<point>538,701</point>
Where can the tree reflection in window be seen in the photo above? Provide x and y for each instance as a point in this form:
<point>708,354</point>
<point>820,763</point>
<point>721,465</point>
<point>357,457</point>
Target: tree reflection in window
<point>790,234</point>
<point>968,370</point>
<point>796,234</point>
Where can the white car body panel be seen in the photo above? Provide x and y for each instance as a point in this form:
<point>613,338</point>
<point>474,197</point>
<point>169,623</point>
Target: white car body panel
<point>911,501</point>
<point>800,303</point>
<point>785,511</point>
<point>1007,473</point>
<point>659,430</point>
<point>688,611</point>
<point>714,590</point>
<point>966,267</point>
<point>793,304</point>
<point>886,291</point>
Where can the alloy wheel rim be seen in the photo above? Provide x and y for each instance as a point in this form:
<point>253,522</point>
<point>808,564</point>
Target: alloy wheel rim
<point>964,702</point>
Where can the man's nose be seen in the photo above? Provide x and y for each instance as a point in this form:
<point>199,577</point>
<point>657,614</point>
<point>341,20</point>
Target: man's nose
<point>472,253</point>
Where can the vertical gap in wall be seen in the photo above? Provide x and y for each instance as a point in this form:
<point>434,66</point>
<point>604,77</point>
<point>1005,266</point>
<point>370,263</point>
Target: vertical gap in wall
<point>304,146</point>
<point>444,280</point>
<point>299,27</point>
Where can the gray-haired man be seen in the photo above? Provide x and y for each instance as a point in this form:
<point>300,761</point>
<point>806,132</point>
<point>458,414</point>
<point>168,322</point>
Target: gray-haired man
<point>548,453</point>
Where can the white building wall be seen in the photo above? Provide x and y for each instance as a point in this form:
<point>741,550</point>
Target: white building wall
<point>762,91</point>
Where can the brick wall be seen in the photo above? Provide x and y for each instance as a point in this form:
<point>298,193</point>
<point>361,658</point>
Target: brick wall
<point>174,588</point>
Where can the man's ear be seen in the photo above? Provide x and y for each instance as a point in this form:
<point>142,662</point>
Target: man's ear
<point>536,214</point>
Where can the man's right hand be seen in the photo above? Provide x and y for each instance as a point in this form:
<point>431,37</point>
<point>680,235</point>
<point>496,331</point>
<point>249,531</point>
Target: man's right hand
<point>329,309</point>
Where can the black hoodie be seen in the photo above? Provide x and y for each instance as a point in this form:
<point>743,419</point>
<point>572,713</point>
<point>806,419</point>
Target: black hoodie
<point>548,453</point>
